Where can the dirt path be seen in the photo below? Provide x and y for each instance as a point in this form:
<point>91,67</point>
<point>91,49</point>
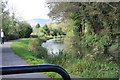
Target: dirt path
<point>11,59</point>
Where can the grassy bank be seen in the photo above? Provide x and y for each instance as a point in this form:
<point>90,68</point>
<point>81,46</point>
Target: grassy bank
<point>67,60</point>
<point>21,48</point>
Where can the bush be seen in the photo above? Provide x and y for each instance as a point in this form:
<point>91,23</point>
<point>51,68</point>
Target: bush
<point>36,48</point>
<point>58,59</point>
<point>11,37</point>
<point>84,67</point>
<point>24,30</point>
<point>34,36</point>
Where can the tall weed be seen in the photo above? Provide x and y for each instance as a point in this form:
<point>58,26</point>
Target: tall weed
<point>36,48</point>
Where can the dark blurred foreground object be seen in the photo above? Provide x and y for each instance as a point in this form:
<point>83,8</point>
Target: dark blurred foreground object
<point>34,68</point>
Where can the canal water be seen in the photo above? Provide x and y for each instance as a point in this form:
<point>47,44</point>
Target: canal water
<point>54,45</point>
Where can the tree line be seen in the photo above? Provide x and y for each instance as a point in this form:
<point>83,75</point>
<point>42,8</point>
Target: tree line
<point>13,27</point>
<point>90,24</point>
<point>49,29</point>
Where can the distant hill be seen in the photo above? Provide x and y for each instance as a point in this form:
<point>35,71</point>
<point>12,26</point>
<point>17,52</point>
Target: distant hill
<point>42,22</point>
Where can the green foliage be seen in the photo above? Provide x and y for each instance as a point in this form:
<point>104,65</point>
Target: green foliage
<point>51,31</point>
<point>33,36</point>
<point>74,65</point>
<point>7,23</point>
<point>21,49</point>
<point>88,26</point>
<point>12,27</point>
<point>46,30</point>
<point>84,67</point>
<point>11,37</point>
<point>37,26</point>
<point>93,24</point>
<point>97,46</point>
<point>55,32</point>
<point>24,30</point>
<point>89,40</point>
<point>37,49</point>
<point>90,34</point>
<point>54,75</point>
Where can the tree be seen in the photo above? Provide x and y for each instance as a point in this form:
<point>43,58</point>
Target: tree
<point>5,18</point>
<point>92,13</point>
<point>24,30</point>
<point>46,29</point>
<point>13,27</point>
<point>91,24</point>
<point>7,23</point>
<point>37,26</point>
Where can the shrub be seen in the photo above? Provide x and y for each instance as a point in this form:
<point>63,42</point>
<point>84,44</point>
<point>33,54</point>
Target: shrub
<point>34,36</point>
<point>36,48</point>
<point>84,67</point>
<point>11,37</point>
<point>24,30</point>
<point>58,59</point>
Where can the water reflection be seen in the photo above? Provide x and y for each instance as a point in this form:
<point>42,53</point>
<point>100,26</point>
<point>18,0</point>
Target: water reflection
<point>53,45</point>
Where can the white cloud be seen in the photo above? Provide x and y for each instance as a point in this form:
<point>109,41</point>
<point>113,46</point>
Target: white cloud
<point>29,9</point>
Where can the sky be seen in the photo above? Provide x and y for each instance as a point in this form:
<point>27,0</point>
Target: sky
<point>29,9</point>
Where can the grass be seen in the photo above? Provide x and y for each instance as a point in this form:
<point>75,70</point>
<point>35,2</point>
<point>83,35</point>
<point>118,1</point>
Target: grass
<point>75,66</point>
<point>85,67</point>
<point>21,49</point>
